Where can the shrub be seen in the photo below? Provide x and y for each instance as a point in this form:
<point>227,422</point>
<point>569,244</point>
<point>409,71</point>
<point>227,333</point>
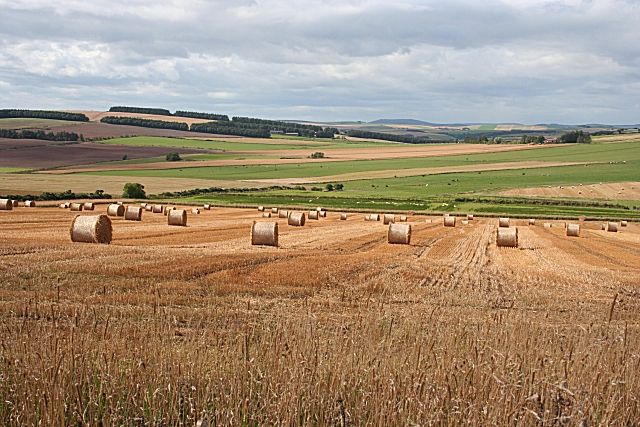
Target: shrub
<point>134,191</point>
<point>173,157</point>
<point>317,155</point>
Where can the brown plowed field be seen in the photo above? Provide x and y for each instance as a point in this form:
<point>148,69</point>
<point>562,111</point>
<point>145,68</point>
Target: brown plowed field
<point>55,154</point>
<point>334,326</point>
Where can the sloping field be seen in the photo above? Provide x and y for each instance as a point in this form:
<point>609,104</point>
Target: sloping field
<point>96,116</point>
<point>56,154</point>
<point>616,191</point>
<point>334,325</point>
<point>414,172</point>
<point>97,130</point>
<point>36,183</point>
<point>301,156</point>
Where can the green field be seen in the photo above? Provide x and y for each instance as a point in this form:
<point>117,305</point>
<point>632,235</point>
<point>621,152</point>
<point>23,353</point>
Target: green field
<point>26,123</point>
<point>628,152</point>
<point>295,144</point>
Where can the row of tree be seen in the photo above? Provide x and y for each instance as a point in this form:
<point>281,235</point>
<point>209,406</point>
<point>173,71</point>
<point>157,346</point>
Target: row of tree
<point>140,110</point>
<point>411,139</point>
<point>574,136</point>
<point>133,121</point>
<point>43,114</point>
<point>65,195</point>
<point>206,116</point>
<point>40,134</point>
<point>227,128</point>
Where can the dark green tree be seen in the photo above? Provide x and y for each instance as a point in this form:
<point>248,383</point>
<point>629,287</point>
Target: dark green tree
<point>133,190</point>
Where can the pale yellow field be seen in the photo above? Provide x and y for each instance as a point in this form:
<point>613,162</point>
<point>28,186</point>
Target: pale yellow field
<point>611,191</point>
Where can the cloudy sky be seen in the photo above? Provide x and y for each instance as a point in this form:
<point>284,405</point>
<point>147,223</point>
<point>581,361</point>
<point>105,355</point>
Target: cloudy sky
<point>567,61</point>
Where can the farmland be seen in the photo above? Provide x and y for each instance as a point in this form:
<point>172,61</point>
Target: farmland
<point>168,325</point>
<point>171,324</point>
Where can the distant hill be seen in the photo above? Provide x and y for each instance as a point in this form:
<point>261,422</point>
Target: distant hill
<point>400,122</point>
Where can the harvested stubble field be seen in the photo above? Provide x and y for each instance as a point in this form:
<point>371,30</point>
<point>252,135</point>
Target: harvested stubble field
<point>169,325</point>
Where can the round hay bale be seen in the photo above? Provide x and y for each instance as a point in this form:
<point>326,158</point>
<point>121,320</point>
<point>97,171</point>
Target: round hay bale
<point>469,217</point>
<point>449,221</point>
<point>547,225</point>
<point>206,207</point>
<point>399,234</point>
<point>120,203</point>
<point>507,237</point>
<point>133,213</point>
<point>465,222</point>
<point>573,230</point>
<point>264,233</point>
<point>388,219</point>
<point>612,227</point>
<point>532,221</point>
<point>91,229</point>
<point>367,217</point>
<point>157,209</point>
<point>76,207</point>
<point>283,214</point>
<point>6,205</point>
<point>323,214</point>
<point>260,208</point>
<point>343,217</point>
<point>374,217</point>
<point>143,205</point>
<point>61,206</point>
<point>297,219</point>
<point>148,208</point>
<point>274,210</point>
<point>428,221</point>
<point>403,218</point>
<point>623,223</point>
<point>195,211</point>
<point>503,222</point>
<point>29,204</point>
<point>604,226</point>
<point>319,209</point>
<point>177,217</point>
<point>115,210</point>
<point>314,215</point>
<point>266,215</point>
<point>15,203</point>
<point>88,206</point>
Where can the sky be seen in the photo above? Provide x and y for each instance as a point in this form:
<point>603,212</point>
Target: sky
<point>526,61</point>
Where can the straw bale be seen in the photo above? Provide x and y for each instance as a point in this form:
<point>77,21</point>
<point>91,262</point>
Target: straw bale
<point>177,217</point>
<point>343,217</point>
<point>503,222</point>
<point>449,221</point>
<point>296,219</point>
<point>264,233</point>
<point>76,207</point>
<point>91,229</point>
<point>612,227</point>
<point>88,206</point>
<point>388,219</point>
<point>507,237</point>
<point>115,210</point>
<point>157,209</point>
<point>573,230</point>
<point>6,205</point>
<point>314,215</point>
<point>399,234</point>
<point>283,214</point>
<point>133,213</point>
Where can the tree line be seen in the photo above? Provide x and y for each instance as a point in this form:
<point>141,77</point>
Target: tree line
<point>206,116</point>
<point>147,123</point>
<point>65,195</point>
<point>43,114</point>
<point>140,110</point>
<point>40,134</point>
<point>411,139</point>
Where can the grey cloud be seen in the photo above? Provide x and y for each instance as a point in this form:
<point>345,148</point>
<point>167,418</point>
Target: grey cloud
<point>443,61</point>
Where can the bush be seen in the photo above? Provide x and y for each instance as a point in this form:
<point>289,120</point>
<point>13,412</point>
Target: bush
<point>134,191</point>
<point>339,187</point>
<point>329,187</point>
<point>316,189</point>
<point>173,157</point>
<point>317,155</point>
